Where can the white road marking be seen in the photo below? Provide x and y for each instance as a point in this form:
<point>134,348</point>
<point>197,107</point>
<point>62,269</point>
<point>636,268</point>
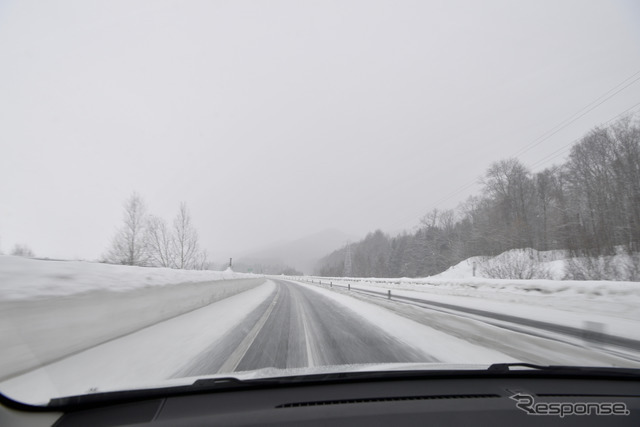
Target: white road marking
<point>234,360</point>
<point>307,337</point>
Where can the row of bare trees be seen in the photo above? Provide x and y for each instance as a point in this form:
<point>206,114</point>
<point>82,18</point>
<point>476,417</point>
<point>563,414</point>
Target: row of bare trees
<point>147,240</point>
<point>20,249</point>
<point>590,206</point>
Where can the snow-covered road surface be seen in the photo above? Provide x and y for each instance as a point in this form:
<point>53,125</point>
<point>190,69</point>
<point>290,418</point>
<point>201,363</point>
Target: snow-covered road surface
<point>296,327</point>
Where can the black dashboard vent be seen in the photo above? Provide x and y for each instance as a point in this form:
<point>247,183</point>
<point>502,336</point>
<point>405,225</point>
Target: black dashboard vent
<point>386,399</point>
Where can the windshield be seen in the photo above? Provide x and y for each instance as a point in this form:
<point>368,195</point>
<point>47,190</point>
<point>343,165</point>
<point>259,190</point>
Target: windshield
<point>255,189</point>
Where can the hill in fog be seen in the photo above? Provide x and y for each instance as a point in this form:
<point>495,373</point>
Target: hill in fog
<point>301,254</point>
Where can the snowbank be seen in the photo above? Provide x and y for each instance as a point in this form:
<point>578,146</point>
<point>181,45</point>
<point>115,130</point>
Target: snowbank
<point>24,278</point>
<point>52,309</point>
<point>150,355</point>
<point>555,265</point>
<point>596,290</point>
<point>467,278</point>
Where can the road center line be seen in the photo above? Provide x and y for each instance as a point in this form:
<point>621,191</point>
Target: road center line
<point>307,336</point>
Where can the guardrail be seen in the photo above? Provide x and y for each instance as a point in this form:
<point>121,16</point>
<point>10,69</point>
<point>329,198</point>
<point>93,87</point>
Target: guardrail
<point>592,333</point>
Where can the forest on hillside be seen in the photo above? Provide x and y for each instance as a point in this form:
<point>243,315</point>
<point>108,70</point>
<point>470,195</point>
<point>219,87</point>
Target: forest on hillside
<point>588,206</point>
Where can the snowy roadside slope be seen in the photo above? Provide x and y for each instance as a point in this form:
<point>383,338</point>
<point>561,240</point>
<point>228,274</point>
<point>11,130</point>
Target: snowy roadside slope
<point>146,358</point>
<point>24,278</point>
<point>66,307</point>
<point>618,299</point>
<point>552,264</point>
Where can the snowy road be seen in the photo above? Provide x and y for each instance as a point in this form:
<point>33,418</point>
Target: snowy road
<point>301,325</point>
<point>298,327</point>
<point>286,324</point>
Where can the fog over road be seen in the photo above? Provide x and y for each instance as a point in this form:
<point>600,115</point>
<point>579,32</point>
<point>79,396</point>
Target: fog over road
<point>297,327</point>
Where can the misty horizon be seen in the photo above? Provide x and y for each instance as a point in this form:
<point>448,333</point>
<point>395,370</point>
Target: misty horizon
<point>274,121</point>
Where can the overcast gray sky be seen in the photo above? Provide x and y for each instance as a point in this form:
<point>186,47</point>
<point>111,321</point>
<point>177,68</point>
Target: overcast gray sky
<point>276,119</point>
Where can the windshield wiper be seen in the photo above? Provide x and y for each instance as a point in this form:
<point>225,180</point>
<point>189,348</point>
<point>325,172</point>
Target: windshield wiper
<point>504,368</point>
<point>205,385</point>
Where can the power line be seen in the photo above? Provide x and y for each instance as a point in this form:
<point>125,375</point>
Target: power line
<point>580,113</point>
<point>554,130</point>
<point>568,146</point>
<point>632,79</point>
<point>553,155</point>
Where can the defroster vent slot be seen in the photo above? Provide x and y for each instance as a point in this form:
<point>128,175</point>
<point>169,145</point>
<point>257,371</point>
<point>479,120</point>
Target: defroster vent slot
<point>386,399</point>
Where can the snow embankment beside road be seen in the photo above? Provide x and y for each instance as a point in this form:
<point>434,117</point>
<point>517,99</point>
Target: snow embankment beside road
<point>52,309</point>
<point>146,358</point>
<point>619,299</point>
<point>529,263</point>
<point>26,278</point>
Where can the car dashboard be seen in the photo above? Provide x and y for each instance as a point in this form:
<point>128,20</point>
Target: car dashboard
<point>423,401</point>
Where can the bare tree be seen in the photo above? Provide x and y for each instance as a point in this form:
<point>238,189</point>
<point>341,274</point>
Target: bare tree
<point>431,218</point>
<point>508,185</point>
<point>589,205</point>
<point>159,242</point>
<point>22,250</point>
<point>592,193</point>
<point>186,251</point>
<point>202,263</point>
<point>129,246</point>
<point>626,165</point>
<point>514,264</point>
